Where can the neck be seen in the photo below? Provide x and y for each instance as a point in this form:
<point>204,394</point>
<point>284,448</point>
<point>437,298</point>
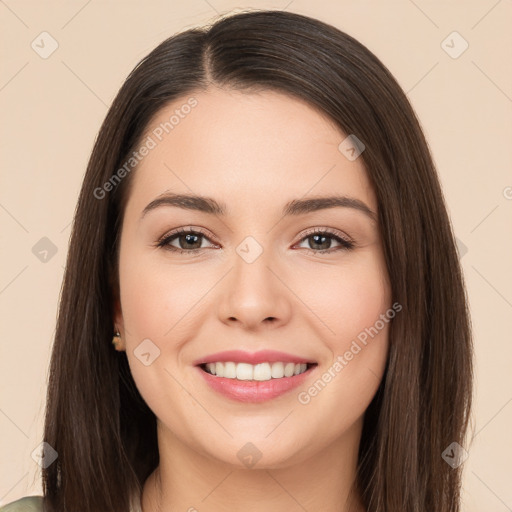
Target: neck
<point>191,481</point>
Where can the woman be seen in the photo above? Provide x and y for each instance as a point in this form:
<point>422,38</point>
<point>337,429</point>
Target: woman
<point>262,229</point>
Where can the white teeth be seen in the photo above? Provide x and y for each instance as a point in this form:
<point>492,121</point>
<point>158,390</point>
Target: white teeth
<point>277,370</point>
<point>289,369</point>
<point>229,369</point>
<point>262,371</point>
<point>300,368</point>
<point>259,372</point>
<point>244,371</point>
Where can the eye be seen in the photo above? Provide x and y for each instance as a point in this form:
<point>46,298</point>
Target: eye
<point>188,240</point>
<point>321,240</point>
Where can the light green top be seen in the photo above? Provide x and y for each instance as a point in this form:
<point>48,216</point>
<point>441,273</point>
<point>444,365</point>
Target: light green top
<point>27,504</point>
<point>35,504</point>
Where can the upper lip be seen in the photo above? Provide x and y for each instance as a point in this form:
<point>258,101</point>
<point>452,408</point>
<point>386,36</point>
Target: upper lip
<point>263,356</point>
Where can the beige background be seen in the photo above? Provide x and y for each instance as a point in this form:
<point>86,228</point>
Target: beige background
<point>52,109</point>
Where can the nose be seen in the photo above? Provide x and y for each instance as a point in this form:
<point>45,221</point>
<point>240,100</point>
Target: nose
<point>253,295</point>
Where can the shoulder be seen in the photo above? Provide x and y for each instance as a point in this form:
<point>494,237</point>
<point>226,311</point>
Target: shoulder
<point>35,504</point>
<point>27,504</point>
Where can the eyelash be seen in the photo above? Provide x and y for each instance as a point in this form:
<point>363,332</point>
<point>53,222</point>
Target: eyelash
<point>168,237</point>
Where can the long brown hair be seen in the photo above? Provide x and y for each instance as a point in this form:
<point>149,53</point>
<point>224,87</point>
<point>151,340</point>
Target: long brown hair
<point>96,420</point>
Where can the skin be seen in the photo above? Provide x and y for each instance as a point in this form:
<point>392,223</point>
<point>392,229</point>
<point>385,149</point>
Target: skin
<point>192,306</point>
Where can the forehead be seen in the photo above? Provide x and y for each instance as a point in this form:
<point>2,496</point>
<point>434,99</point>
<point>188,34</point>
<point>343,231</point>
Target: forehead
<point>246,148</point>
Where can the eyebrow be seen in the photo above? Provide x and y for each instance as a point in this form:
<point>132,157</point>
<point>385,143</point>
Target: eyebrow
<point>295,207</point>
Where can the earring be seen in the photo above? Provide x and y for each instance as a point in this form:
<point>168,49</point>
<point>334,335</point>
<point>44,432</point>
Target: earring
<point>116,340</point>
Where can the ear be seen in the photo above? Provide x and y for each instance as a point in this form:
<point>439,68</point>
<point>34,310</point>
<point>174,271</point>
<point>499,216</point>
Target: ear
<point>119,324</point>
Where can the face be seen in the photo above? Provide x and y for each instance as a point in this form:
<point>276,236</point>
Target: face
<point>308,282</point>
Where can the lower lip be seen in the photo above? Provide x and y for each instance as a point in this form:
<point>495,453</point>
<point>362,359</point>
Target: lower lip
<point>254,391</point>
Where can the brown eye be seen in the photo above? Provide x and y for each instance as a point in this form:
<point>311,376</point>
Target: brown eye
<point>321,242</point>
<point>187,241</point>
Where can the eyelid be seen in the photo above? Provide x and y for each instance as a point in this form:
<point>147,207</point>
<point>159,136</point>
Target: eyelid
<point>187,229</point>
<point>330,231</point>
<point>345,241</point>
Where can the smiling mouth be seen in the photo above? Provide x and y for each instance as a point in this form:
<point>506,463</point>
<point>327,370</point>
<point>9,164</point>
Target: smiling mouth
<point>258,372</point>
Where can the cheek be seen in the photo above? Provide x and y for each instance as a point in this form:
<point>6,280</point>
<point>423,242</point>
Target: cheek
<point>155,303</point>
<point>352,305</point>
<point>156,298</point>
<point>342,301</point>
<point>346,298</point>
